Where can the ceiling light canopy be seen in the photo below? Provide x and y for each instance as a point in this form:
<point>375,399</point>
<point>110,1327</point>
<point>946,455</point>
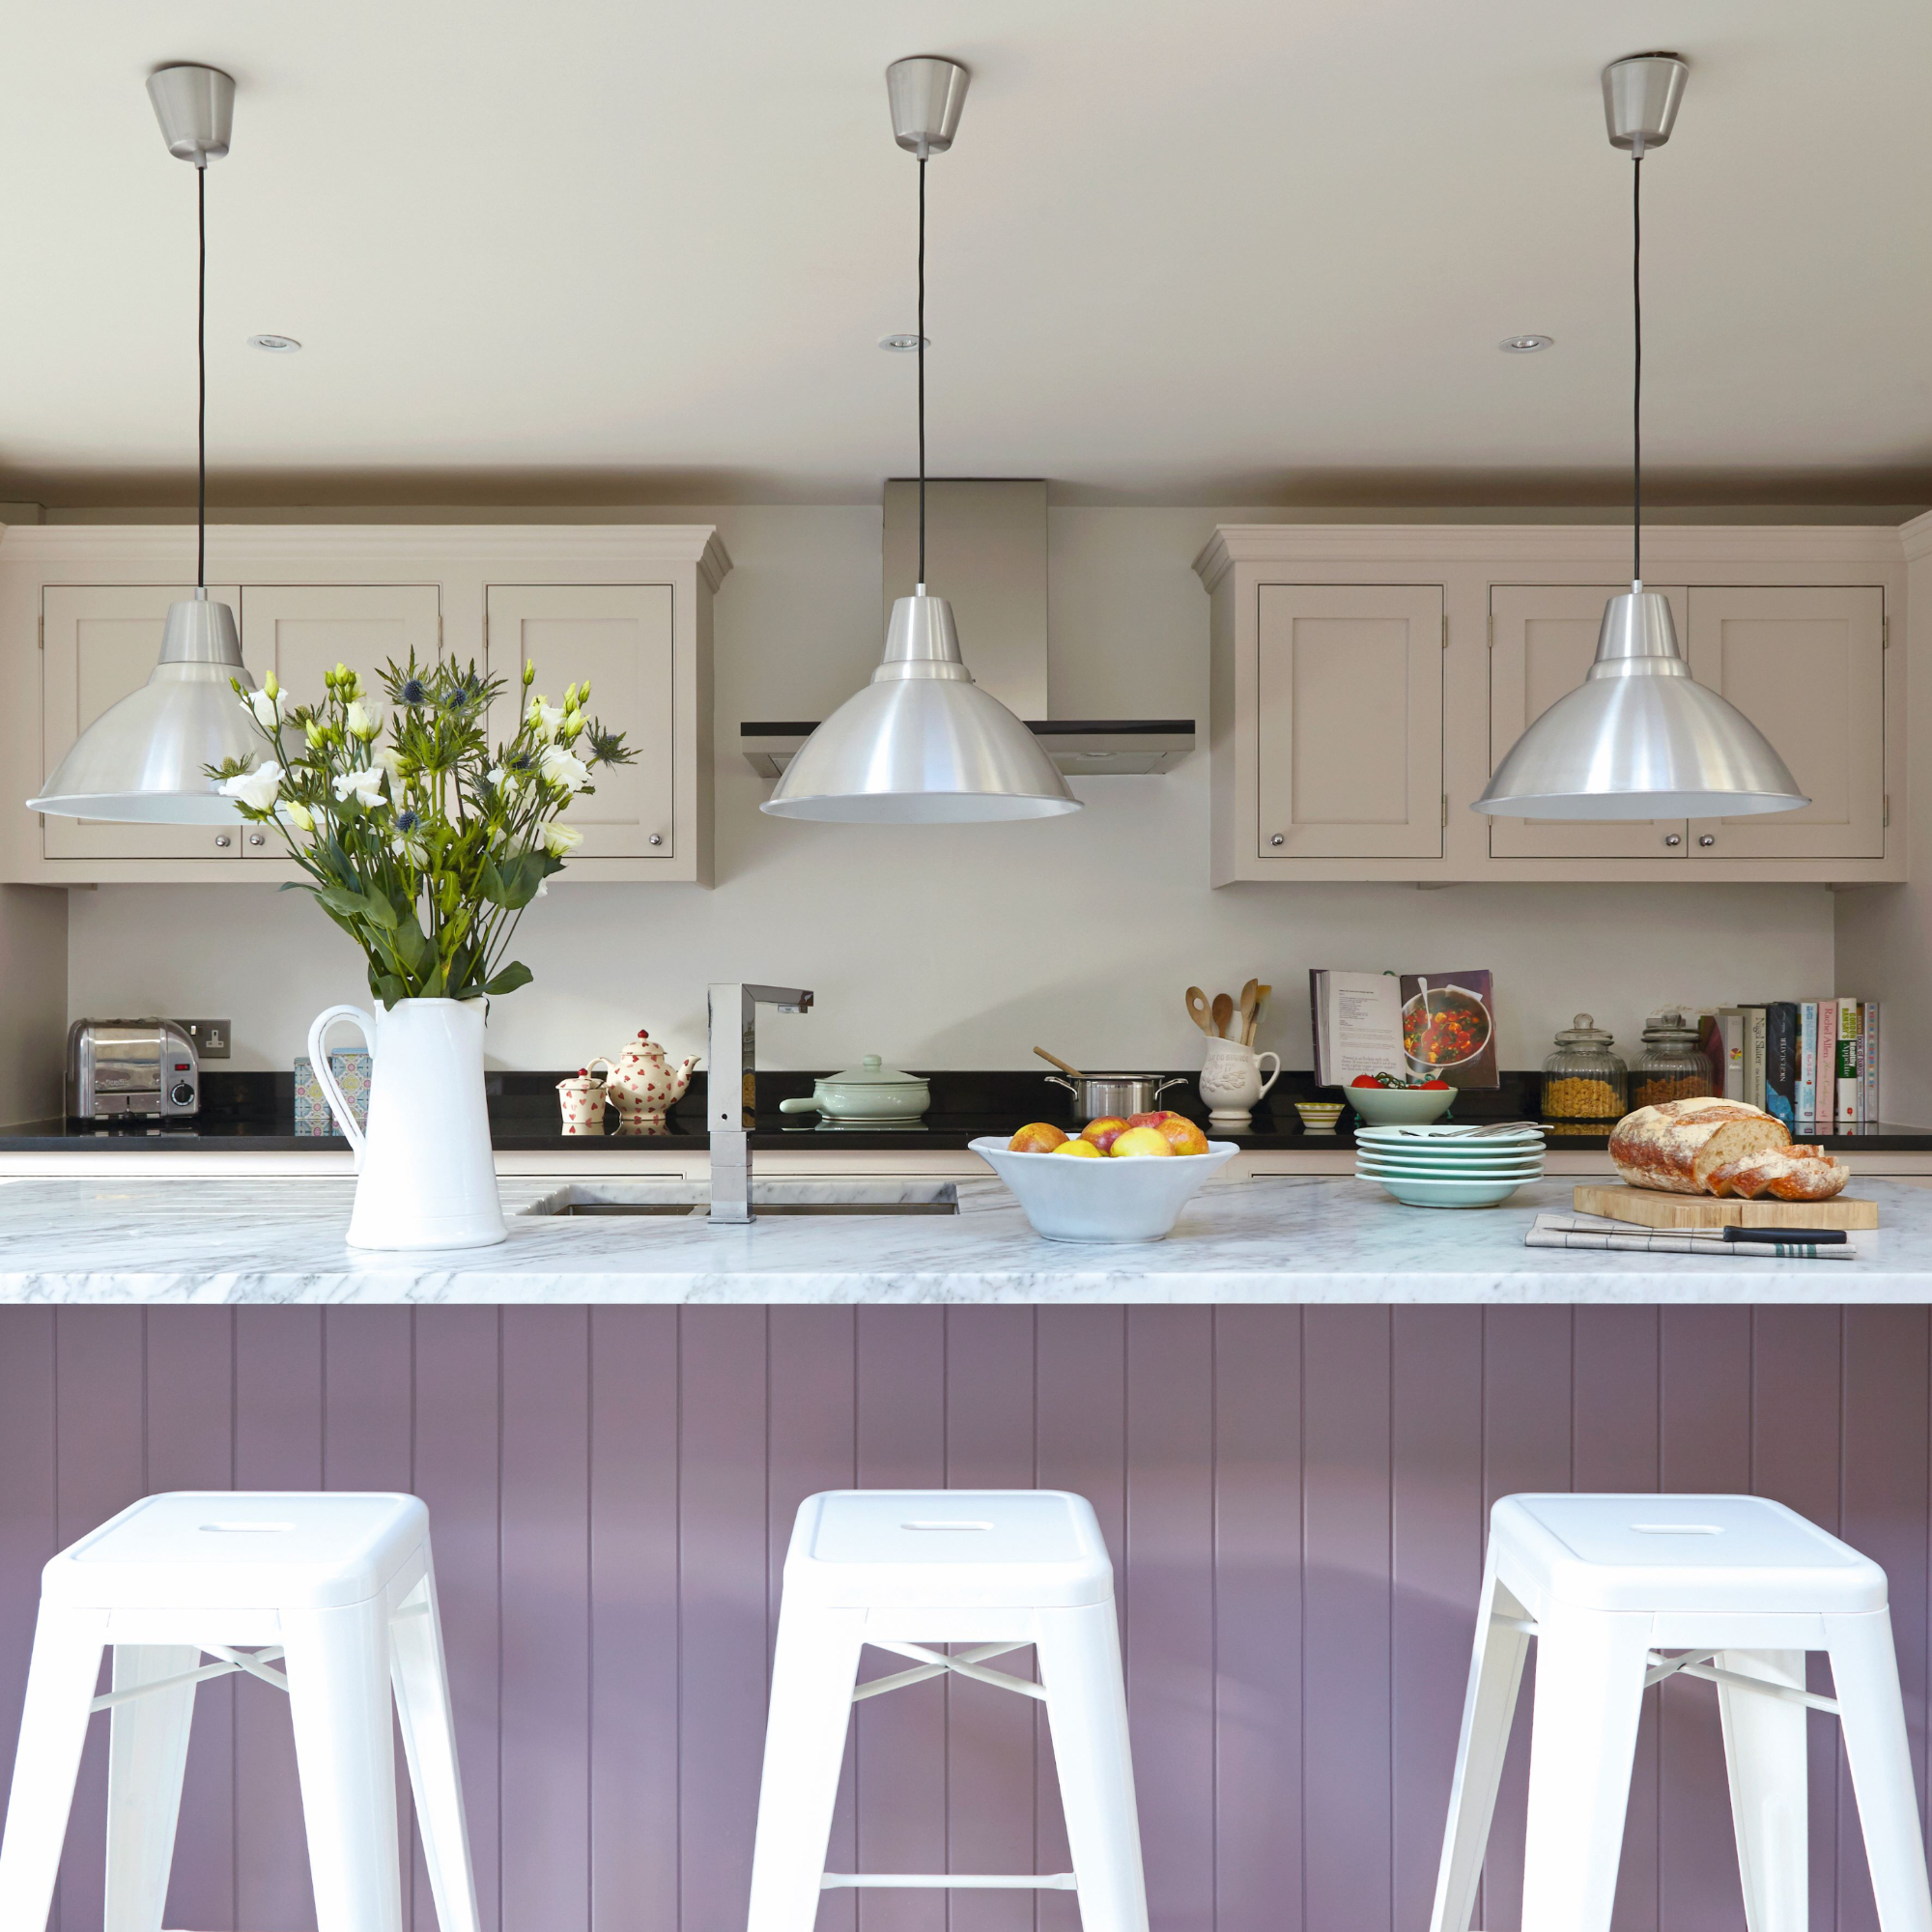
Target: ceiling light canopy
<point>144,760</point>
<point>922,744</point>
<point>1641,737</point>
<point>1524,345</point>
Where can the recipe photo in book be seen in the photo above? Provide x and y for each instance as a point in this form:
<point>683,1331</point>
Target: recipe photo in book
<point>1415,1026</point>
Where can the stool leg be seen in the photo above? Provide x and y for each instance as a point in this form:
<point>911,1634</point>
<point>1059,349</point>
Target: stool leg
<point>1871,1714</point>
<point>1765,1755</point>
<point>1590,1695</point>
<point>1079,1653</point>
<point>147,1756</point>
<point>53,1727</point>
<point>1496,1674</point>
<point>338,1670</point>
<point>428,1744</point>
<point>814,1670</point>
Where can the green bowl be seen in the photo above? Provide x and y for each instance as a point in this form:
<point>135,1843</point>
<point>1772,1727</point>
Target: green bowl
<point>1400,1106</point>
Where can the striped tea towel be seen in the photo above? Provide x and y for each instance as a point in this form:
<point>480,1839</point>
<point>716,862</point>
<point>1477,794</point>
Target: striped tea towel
<point>1596,1230</point>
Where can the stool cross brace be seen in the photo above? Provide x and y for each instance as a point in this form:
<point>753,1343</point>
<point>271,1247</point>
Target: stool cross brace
<point>936,1663</point>
<point>254,1663</point>
<point>1697,1664</point>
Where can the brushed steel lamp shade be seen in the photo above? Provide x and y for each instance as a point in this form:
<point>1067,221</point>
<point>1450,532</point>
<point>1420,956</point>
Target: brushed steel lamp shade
<point>142,759</point>
<point>1641,738</point>
<point>922,744</point>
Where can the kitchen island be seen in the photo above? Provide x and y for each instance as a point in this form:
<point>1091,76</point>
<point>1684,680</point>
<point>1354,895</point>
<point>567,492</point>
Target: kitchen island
<point>1276,1239</point>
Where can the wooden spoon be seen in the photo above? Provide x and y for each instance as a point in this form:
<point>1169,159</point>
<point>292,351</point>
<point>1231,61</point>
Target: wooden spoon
<point>1224,1012</point>
<point>1057,1062</point>
<point>1197,1009</point>
<point>1255,1020</point>
<point>1246,1004</point>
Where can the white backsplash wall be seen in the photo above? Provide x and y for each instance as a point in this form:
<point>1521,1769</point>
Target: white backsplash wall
<point>966,947</point>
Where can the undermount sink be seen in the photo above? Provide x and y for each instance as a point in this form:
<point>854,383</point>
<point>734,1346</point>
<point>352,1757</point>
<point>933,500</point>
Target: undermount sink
<point>584,1199</point>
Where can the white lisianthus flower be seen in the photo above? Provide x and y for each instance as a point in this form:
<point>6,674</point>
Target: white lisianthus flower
<point>270,707</point>
<point>365,786</point>
<point>412,849</point>
<point>255,789</point>
<point>363,722</point>
<point>547,718</point>
<point>292,811</point>
<point>502,779</point>
<point>560,767</point>
<point>560,840</point>
<point>391,761</point>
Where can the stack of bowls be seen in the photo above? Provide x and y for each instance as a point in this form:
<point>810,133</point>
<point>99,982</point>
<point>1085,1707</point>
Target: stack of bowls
<point>1449,1166</point>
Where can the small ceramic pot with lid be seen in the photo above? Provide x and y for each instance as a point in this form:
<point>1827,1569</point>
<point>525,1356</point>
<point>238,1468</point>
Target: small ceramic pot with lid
<point>868,1091</point>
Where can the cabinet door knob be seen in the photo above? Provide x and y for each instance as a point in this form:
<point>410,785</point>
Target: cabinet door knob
<point>1279,839</point>
<point>657,839</point>
<point>1673,838</point>
<point>258,838</point>
<point>221,839</point>
<point>1707,838</point>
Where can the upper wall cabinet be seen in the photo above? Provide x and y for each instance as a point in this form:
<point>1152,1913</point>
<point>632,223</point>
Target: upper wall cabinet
<point>1366,679</point>
<point>81,609</point>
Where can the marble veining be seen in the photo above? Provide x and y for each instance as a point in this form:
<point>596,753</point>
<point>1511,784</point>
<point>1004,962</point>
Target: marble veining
<point>1314,1240</point>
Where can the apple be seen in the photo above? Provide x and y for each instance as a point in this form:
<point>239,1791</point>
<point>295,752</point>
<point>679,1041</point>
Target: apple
<point>1103,1131</point>
<point>1133,1141</point>
<point>1036,1137</point>
<point>1183,1135</point>
<point>1153,1120</point>
<point>1081,1149</point>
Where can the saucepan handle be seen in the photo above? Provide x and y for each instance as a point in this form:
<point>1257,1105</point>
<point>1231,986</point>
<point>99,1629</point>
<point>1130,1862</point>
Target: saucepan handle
<point>325,1075</point>
<point>799,1104</point>
<point>1054,1080</point>
<point>1161,1087</point>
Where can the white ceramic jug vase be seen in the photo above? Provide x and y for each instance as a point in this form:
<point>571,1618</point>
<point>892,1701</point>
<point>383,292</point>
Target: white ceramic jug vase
<point>425,1176</point>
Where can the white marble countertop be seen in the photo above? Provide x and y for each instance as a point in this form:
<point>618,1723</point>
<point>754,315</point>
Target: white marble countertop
<point>205,1240</point>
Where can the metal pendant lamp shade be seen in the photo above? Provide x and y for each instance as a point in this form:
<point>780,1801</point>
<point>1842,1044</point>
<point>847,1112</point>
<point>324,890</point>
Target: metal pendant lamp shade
<point>922,744</point>
<point>1641,737</point>
<point>143,760</point>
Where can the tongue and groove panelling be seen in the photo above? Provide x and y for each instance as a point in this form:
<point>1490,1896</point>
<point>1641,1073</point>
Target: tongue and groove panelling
<point>1294,1499</point>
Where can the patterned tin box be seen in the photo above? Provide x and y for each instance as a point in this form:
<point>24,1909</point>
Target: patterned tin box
<point>351,1073</point>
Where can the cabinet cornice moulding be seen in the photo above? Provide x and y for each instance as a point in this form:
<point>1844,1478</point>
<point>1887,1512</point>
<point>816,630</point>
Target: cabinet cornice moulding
<point>233,545</point>
<point>1599,546</point>
<point>1915,537</point>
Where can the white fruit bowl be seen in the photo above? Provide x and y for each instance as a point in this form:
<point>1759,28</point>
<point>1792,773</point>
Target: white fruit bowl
<point>1136,1198</point>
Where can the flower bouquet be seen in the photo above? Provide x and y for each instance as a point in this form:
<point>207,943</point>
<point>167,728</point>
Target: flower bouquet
<point>425,850</point>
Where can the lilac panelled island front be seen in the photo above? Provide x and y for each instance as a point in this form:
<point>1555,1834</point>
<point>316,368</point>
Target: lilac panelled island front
<point>1295,1499</point>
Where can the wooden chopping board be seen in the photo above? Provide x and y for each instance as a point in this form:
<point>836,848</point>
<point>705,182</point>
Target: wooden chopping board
<point>1653,1208</point>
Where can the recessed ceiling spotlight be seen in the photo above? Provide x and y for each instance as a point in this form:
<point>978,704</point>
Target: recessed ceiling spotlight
<point>1524,345</point>
<point>902,345</point>
<point>276,345</point>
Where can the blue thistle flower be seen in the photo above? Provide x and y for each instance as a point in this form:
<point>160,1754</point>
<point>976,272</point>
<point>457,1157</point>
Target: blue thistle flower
<point>413,691</point>
<point>407,821</point>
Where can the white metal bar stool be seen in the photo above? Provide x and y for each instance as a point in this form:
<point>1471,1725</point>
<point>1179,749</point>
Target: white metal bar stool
<point>336,1588</point>
<point>993,1569</point>
<point>1740,1588</point>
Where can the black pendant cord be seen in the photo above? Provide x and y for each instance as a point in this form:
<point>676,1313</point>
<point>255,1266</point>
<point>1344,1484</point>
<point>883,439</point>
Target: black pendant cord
<point>1636,367</point>
<point>201,379</point>
<point>922,372</point>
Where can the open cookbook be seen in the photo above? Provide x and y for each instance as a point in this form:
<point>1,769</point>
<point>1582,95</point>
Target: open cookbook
<point>1411,1026</point>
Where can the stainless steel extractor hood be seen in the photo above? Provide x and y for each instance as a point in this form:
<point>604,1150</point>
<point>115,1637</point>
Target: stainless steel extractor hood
<point>987,554</point>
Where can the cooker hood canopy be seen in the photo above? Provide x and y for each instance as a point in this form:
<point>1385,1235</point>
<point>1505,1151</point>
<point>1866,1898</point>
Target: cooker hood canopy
<point>986,539</point>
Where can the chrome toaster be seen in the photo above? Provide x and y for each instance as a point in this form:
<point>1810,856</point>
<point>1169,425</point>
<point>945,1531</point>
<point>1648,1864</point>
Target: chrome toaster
<point>147,1068</point>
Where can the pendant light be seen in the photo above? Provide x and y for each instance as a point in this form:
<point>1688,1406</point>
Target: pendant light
<point>922,744</point>
<point>1641,737</point>
<point>142,759</point>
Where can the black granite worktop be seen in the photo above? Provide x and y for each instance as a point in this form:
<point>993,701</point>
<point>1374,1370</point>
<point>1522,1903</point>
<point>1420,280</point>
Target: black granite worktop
<point>256,1112</point>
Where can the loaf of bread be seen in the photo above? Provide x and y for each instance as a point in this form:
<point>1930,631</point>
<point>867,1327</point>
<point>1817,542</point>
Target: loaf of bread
<point>1678,1144</point>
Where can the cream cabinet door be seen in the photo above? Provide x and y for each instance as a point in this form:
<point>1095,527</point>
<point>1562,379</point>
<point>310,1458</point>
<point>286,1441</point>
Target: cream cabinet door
<point>98,641</point>
<point>302,631</point>
<point>620,637</point>
<point>1543,640</point>
<point>1348,715</point>
<point>1806,665</point>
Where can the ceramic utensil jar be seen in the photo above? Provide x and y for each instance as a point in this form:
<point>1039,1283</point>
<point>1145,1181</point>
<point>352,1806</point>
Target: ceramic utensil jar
<point>1232,1083</point>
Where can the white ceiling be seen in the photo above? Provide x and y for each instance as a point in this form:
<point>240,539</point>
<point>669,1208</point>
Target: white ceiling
<point>1236,251</point>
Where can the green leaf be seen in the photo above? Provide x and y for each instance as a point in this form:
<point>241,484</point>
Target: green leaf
<point>433,986</point>
<point>386,988</point>
<point>411,947</point>
<point>516,974</point>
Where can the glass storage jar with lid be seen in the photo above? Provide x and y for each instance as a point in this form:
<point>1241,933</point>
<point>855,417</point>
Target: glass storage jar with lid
<point>1583,1080</point>
<point>1673,1065</point>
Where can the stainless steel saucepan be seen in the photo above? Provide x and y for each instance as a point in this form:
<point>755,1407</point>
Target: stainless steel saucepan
<point>1096,1096</point>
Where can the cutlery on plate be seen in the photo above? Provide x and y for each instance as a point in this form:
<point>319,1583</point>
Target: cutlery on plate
<point>1197,1009</point>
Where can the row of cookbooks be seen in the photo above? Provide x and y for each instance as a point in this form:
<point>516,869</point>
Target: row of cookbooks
<point>1812,1063</point>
